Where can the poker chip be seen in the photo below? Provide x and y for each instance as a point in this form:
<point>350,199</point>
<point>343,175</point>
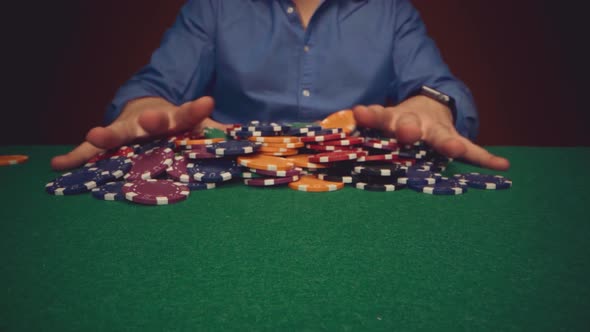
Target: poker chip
<point>338,178</point>
<point>291,172</point>
<point>7,160</point>
<point>201,141</point>
<point>199,152</point>
<point>445,186</point>
<point>150,164</point>
<point>418,177</point>
<point>303,130</point>
<point>380,169</point>
<point>329,157</point>
<point>116,166</point>
<point>484,181</point>
<point>111,191</point>
<point>275,139</point>
<point>78,181</point>
<point>323,138</point>
<point>344,142</point>
<point>233,148</point>
<point>192,186</point>
<point>266,182</point>
<point>155,192</point>
<point>263,162</point>
<point>214,170</point>
<point>294,145</point>
<point>341,119</point>
<point>378,186</point>
<point>302,160</point>
<point>179,170</point>
<point>123,151</point>
<point>375,157</point>
<point>303,156</point>
<point>310,183</point>
<point>323,132</point>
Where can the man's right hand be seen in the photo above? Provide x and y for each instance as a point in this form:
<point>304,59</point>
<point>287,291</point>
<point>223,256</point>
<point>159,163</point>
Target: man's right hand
<point>141,119</point>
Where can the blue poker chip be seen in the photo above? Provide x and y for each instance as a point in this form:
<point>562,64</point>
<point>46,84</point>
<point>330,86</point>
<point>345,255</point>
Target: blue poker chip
<point>445,186</point>
<point>484,181</point>
<point>110,191</point>
<point>233,148</point>
<point>116,166</point>
<point>418,177</point>
<point>303,130</point>
<point>158,143</point>
<point>246,133</point>
<point>214,170</point>
<point>267,127</point>
<point>192,186</point>
<point>78,181</point>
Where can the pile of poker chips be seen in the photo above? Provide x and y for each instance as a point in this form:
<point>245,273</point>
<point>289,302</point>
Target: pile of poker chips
<point>305,157</point>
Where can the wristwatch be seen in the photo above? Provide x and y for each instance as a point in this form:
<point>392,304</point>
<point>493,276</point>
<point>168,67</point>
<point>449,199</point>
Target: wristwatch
<point>440,97</point>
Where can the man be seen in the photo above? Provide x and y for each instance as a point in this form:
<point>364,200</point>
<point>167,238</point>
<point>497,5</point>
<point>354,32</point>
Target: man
<point>228,61</point>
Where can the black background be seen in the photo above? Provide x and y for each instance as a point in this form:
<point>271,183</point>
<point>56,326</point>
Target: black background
<point>523,60</point>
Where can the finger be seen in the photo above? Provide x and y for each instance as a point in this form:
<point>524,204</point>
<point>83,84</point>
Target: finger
<point>408,128</point>
<point>155,122</point>
<point>109,137</point>
<point>75,158</point>
<point>375,116</point>
<point>191,114</point>
<point>445,140</point>
<point>481,157</point>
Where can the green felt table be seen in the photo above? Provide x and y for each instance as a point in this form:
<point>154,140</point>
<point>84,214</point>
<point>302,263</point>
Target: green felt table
<point>249,259</point>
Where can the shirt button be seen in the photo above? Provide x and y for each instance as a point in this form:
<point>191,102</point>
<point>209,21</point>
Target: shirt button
<point>306,48</point>
<point>290,10</point>
<point>306,93</point>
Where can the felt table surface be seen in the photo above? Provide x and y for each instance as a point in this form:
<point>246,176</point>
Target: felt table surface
<point>261,259</point>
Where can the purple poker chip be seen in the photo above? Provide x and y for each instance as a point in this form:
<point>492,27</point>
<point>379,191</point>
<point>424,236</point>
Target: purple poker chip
<point>192,186</point>
<point>292,172</point>
<point>179,170</point>
<point>150,164</point>
<point>155,192</point>
<point>445,186</point>
<point>199,152</point>
<point>267,182</point>
<point>484,181</point>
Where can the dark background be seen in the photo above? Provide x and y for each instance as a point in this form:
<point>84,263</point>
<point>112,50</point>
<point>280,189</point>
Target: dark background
<point>64,60</point>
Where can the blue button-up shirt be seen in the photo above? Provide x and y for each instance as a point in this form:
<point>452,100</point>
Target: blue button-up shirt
<point>258,62</point>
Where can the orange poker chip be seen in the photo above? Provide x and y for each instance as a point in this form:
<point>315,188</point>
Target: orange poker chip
<point>7,160</point>
<point>295,145</point>
<point>310,183</point>
<point>302,160</point>
<point>267,163</point>
<point>202,141</point>
<point>341,119</point>
<point>273,149</point>
<point>274,139</point>
<point>288,152</point>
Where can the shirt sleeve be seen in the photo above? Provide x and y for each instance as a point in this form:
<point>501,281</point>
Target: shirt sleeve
<point>417,61</point>
<point>182,66</point>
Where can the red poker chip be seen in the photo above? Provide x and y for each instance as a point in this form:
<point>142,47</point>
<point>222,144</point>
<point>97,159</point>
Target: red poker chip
<point>382,144</point>
<point>155,192</point>
<point>377,157</point>
<point>123,151</point>
<point>199,152</point>
<point>323,138</point>
<point>348,141</point>
<point>336,156</point>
